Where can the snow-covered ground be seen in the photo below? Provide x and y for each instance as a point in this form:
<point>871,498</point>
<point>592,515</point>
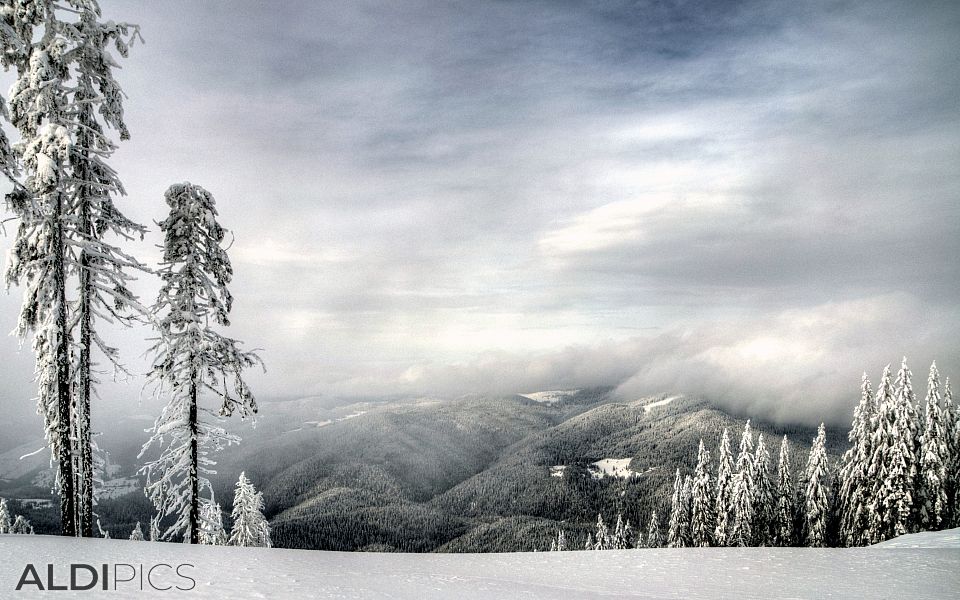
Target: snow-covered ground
<point>652,405</point>
<point>612,467</point>
<point>232,573</point>
<point>550,396</point>
<point>926,539</point>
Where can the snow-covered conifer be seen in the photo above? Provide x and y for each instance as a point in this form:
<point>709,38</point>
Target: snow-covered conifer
<point>764,509</point>
<point>786,507</point>
<point>250,527</point>
<point>155,529</point>
<point>4,516</point>
<point>628,536</point>
<point>701,506</point>
<point>211,524</point>
<point>561,541</point>
<point>855,503</point>
<point>137,534</point>
<point>951,417</point>
<point>21,526</point>
<point>654,539</point>
<point>909,425</point>
<point>588,544</point>
<point>602,538</point>
<point>192,359</point>
<point>932,501</point>
<point>816,496</point>
<point>741,533</point>
<point>686,496</point>
<point>675,528</point>
<point>891,468</point>
<point>619,541</point>
<point>723,507</point>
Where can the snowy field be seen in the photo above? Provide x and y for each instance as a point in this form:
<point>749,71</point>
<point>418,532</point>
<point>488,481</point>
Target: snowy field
<point>234,573</point>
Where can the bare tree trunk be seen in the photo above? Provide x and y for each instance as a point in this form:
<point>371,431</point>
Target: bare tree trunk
<point>194,461</point>
<point>84,441</point>
<point>65,448</point>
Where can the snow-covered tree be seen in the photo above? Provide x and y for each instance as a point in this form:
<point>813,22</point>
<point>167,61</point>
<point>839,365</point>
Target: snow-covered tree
<point>654,539</point>
<point>559,544</point>
<point>764,512</point>
<point>908,426</point>
<point>619,541</point>
<point>155,529</point>
<point>63,100</point>
<point>951,417</point>
<point>856,505</point>
<point>786,507</point>
<point>632,539</point>
<point>137,534</point>
<point>21,526</point>
<point>892,465</point>
<point>191,358</point>
<point>934,456</point>
<point>4,516</point>
<point>678,513</point>
<point>250,527</point>
<point>602,538</point>
<point>588,544</point>
<point>816,493</point>
<point>741,533</point>
<point>104,533</point>
<point>724,503</point>
<point>701,505</point>
<point>212,532</point>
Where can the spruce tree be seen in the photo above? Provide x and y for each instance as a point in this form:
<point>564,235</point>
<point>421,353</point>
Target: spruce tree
<point>21,526</point>
<point>951,417</point>
<point>701,508</point>
<point>155,529</point>
<point>675,528</point>
<point>588,543</point>
<point>786,508</point>
<point>932,500</point>
<point>561,540</point>
<point>250,527</point>
<point>816,496</point>
<point>855,503</point>
<point>191,359</point>
<point>602,538</point>
<point>763,496</point>
<point>908,426</point>
<point>211,524</point>
<point>619,535</point>
<point>5,524</point>
<point>686,497</point>
<point>741,532</point>
<point>137,534</point>
<point>654,539</point>
<point>724,503</point>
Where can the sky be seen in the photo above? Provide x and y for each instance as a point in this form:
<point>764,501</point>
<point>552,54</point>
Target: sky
<point>751,201</point>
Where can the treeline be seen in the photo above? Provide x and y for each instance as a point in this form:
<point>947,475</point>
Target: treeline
<point>901,474</point>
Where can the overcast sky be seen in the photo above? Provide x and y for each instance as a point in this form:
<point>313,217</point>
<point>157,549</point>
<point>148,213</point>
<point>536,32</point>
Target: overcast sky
<point>751,201</point>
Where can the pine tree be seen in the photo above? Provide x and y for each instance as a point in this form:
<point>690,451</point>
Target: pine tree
<point>686,496</point>
<point>137,534</point>
<point>62,101</point>
<point>724,491</point>
<point>211,525</point>
<point>675,529</point>
<point>5,524</point>
<point>155,529</point>
<point>785,498</point>
<point>104,290</point>
<point>763,497</point>
<point>588,544</point>
<point>701,507</point>
<point>628,539</point>
<point>601,540</point>
<point>250,527</point>
<point>908,426</point>
<point>855,503</point>
<point>619,541</point>
<point>892,463</point>
<point>654,539</point>
<point>191,358</point>
<point>21,526</point>
<point>743,492</point>
<point>951,417</point>
<point>816,496</point>
<point>932,500</point>
<point>560,542</point>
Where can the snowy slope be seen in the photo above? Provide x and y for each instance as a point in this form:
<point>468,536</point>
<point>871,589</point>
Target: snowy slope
<point>233,573</point>
<point>926,539</point>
